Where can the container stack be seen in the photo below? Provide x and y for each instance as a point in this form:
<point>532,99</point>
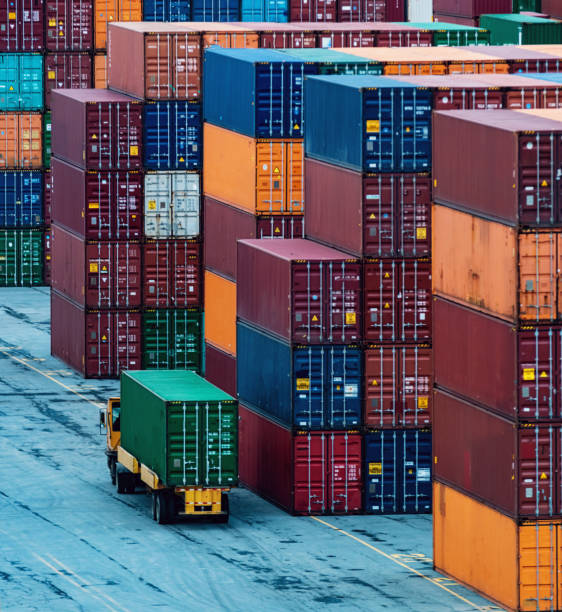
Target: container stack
<point>467,12</point>
<point>497,414</point>
<point>516,29</point>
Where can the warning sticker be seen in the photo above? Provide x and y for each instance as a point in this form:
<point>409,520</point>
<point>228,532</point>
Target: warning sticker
<point>93,205</point>
<point>303,384</point>
<point>350,318</point>
<point>528,373</point>
<point>351,391</point>
<point>93,267</point>
<point>151,204</point>
<point>375,469</point>
<point>51,75</point>
<point>373,125</point>
<point>543,374</point>
<point>423,402</point>
<point>421,233</point>
<point>133,150</point>
<point>52,23</point>
<point>544,476</point>
<point>11,15</point>
<point>314,318</point>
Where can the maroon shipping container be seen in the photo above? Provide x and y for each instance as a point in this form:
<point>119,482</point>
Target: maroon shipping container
<point>220,369</point>
<point>313,10</point>
<point>339,35</point>
<point>284,36</point>
<point>513,469</point>
<point>397,300</point>
<point>21,25</point>
<point>154,61</point>
<point>97,129</point>
<point>465,21</point>
<point>47,196</point>
<point>67,71</point>
<point>224,225</point>
<point>519,92</point>
<point>361,10</point>
<point>304,473</point>
<point>398,386</point>
<point>299,290</point>
<point>552,7</point>
<point>516,157</point>
<point>47,264</point>
<point>517,373</point>
<point>96,274</point>
<point>373,215</point>
<point>471,8</point>
<point>172,273</point>
<point>522,59</point>
<point>96,343</point>
<point>69,25</point>
<point>395,10</point>
<point>97,205</point>
<point>401,35</point>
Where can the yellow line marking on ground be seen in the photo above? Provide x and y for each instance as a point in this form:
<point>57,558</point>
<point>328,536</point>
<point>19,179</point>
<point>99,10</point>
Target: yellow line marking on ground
<point>389,557</point>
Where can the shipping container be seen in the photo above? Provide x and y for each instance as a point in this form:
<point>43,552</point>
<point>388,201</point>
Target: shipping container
<point>386,125</point>
<point>172,204</point>
<point>47,196</point>
<point>220,312</point>
<point>304,473</point>
<point>526,6</point>
<point>220,369</point>
<point>328,61</point>
<point>524,59</point>
<point>166,10</point>
<point>399,35</point>
<point>21,81</point>
<point>513,563</point>
<point>97,205</point>
<point>496,269</point>
<point>100,71</point>
<point>225,225</point>
<point>173,136</point>
<point>96,274</point>
<point>21,144</point>
<point>522,91</point>
<point>260,176</point>
<point>69,25</point>
<point>172,339</point>
<point>228,35</point>
<point>313,10</point>
<point>172,273</point>
<point>343,34</point>
<point>397,471</point>
<point>47,257</point>
<point>215,10</point>
<point>398,383</point>
<point>515,469</point>
<point>21,199</point>
<point>47,131</point>
<point>299,291</point>
<point>264,10</point>
<point>106,129</point>
<point>300,386</point>
<point>258,93</point>
<point>518,29</point>
<point>514,372</point>
<point>96,343</point>
<point>21,257</point>
<point>368,215</point>
<point>285,36</point>
<point>362,10</point>
<point>420,10</point>
<point>552,8</point>
<point>464,21</point>
<point>155,61</point>
<point>471,8</point>
<point>454,35</point>
<point>107,12</point>
<point>21,25</point>
<point>67,71</point>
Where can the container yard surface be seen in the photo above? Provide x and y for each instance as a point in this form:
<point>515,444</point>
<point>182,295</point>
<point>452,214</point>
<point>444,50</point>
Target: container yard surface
<point>70,542</point>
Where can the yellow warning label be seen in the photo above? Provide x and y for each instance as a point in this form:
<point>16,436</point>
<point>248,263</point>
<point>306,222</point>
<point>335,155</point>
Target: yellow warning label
<point>543,476</point>
<point>51,75</point>
<point>151,204</point>
<point>296,126</point>
<point>407,129</point>
<point>372,216</point>
<point>11,15</point>
<point>435,183</point>
<point>387,275</point>
<point>350,318</point>
<point>423,402</point>
<point>303,384</point>
<point>61,33</point>
<point>93,267</point>
<point>528,373</point>
<point>375,469</point>
<point>373,125</point>
<point>134,150</point>
<point>94,137</point>
<point>421,233</point>
<point>276,230</point>
<point>11,88</point>
<point>314,318</point>
<point>52,22</point>
<point>543,375</point>
<point>387,305</point>
<point>544,183</point>
<point>375,383</point>
<point>104,338</point>
<point>275,170</point>
<point>104,268</point>
<point>93,205</point>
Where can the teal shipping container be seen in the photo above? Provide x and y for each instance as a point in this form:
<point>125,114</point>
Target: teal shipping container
<point>21,257</point>
<point>453,34</point>
<point>328,61</point>
<point>21,81</point>
<point>515,29</point>
<point>533,6</point>
<point>181,427</point>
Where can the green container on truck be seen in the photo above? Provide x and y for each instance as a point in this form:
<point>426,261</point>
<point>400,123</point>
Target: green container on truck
<point>515,29</point>
<point>454,35</point>
<point>21,257</point>
<point>21,82</point>
<point>335,62</point>
<point>47,139</point>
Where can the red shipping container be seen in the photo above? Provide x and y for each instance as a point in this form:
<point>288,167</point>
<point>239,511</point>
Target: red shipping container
<point>172,273</point>
<point>69,25</point>
<point>21,25</point>
<point>401,35</point>
<point>96,274</point>
<point>97,205</point>
<point>397,300</point>
<point>339,35</point>
<point>47,264</point>
<point>523,59</point>
<point>154,61</point>
<point>552,7</point>
<point>67,71</point>
<point>97,129</point>
<point>471,8</point>
<point>513,469</point>
<point>395,10</point>
<point>47,196</point>
<point>224,225</point>
<point>299,290</point>
<point>304,473</point>
<point>520,92</point>
<point>362,10</point>
<point>368,215</point>
<point>313,10</point>
<point>96,343</point>
<point>220,369</point>
<point>398,386</point>
<point>285,36</point>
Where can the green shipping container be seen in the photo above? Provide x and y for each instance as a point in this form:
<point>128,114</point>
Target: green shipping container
<point>47,139</point>
<point>454,35</point>
<point>533,6</point>
<point>173,339</point>
<point>21,81</point>
<point>21,257</point>
<point>335,62</point>
<point>181,427</point>
<point>515,29</point>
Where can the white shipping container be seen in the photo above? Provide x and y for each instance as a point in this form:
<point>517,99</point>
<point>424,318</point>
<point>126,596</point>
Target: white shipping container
<point>420,10</point>
<point>172,204</point>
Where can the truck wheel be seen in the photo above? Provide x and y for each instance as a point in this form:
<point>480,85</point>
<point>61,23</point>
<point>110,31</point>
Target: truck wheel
<point>161,508</point>
<point>225,507</point>
<point>121,481</point>
<point>113,469</point>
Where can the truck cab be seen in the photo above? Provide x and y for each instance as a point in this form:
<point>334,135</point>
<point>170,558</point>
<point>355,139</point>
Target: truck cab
<point>110,419</point>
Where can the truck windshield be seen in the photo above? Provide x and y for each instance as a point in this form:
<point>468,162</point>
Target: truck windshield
<point>115,416</point>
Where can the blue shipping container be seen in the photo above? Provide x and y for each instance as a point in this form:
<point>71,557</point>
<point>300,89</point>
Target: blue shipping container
<point>21,199</point>
<point>309,387</point>
<point>397,471</point>
<point>368,123</point>
<point>173,136</point>
<point>256,92</point>
<point>166,10</point>
<point>215,10</point>
<point>265,10</point>
<point>21,81</point>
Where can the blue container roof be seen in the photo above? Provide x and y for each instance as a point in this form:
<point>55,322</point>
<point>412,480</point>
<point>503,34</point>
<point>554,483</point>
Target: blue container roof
<point>364,81</point>
<point>254,56</point>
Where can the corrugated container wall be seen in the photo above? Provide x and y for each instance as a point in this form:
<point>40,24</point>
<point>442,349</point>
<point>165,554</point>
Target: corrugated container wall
<point>21,199</point>
<point>521,30</point>
<point>22,25</point>
<point>166,10</point>
<point>108,11</point>
<point>69,25</point>
<point>67,71</point>
<point>21,257</point>
<point>21,141</point>
<point>21,82</point>
<point>264,10</point>
<point>215,10</point>
<point>220,369</point>
<point>220,312</point>
<point>420,10</point>
<point>471,8</point>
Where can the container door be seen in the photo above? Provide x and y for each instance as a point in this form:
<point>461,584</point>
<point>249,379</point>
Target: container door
<point>127,191</point>
<point>158,135</point>
<point>285,226</point>
<point>185,273</point>
<point>378,125</point>
<point>295,73</point>
<point>57,21</point>
<point>308,298</point>
<point>79,25</point>
<point>186,67</point>
<point>186,342</point>
<point>271,177</point>
<point>127,338</point>
<point>309,387</point>
<point>9,264</point>
<point>105,11</point>
<point>30,80</point>
<point>538,462</point>
<point>343,301</point>
<point>380,299</point>
<point>100,136</point>
<point>270,99</point>
<point>342,375</point>
<point>416,478</point>
<point>99,275</point>
<point>489,98</point>
<point>156,331</point>
<point>382,401</point>
<point>415,296</point>
<point>185,457</point>
<point>30,150</point>
<point>380,209</point>
<point>31,198</point>
<point>218,427</point>
<point>157,205</point>
<point>10,82</point>
<point>99,345</point>
<point>99,206</point>
<point>310,473</point>
<point>345,483</point>
<point>413,200</point>
<point>188,136</point>
<point>31,257</point>
<point>10,212</point>
<point>416,378</point>
<point>413,128</point>
<point>158,66</point>
<point>9,140</point>
<point>294,188</point>
<point>127,275</point>
<point>128,135</point>
<point>186,205</point>
<point>381,477</point>
<point>158,288</point>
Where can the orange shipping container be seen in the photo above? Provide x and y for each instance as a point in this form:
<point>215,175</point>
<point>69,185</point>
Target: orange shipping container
<point>109,11</point>
<point>100,71</point>
<point>517,565</point>
<point>229,36</point>
<point>260,176</point>
<point>493,267</point>
<point>220,312</point>
<point>20,140</point>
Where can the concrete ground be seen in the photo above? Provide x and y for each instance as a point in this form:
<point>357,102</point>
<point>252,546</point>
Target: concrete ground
<point>69,542</point>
